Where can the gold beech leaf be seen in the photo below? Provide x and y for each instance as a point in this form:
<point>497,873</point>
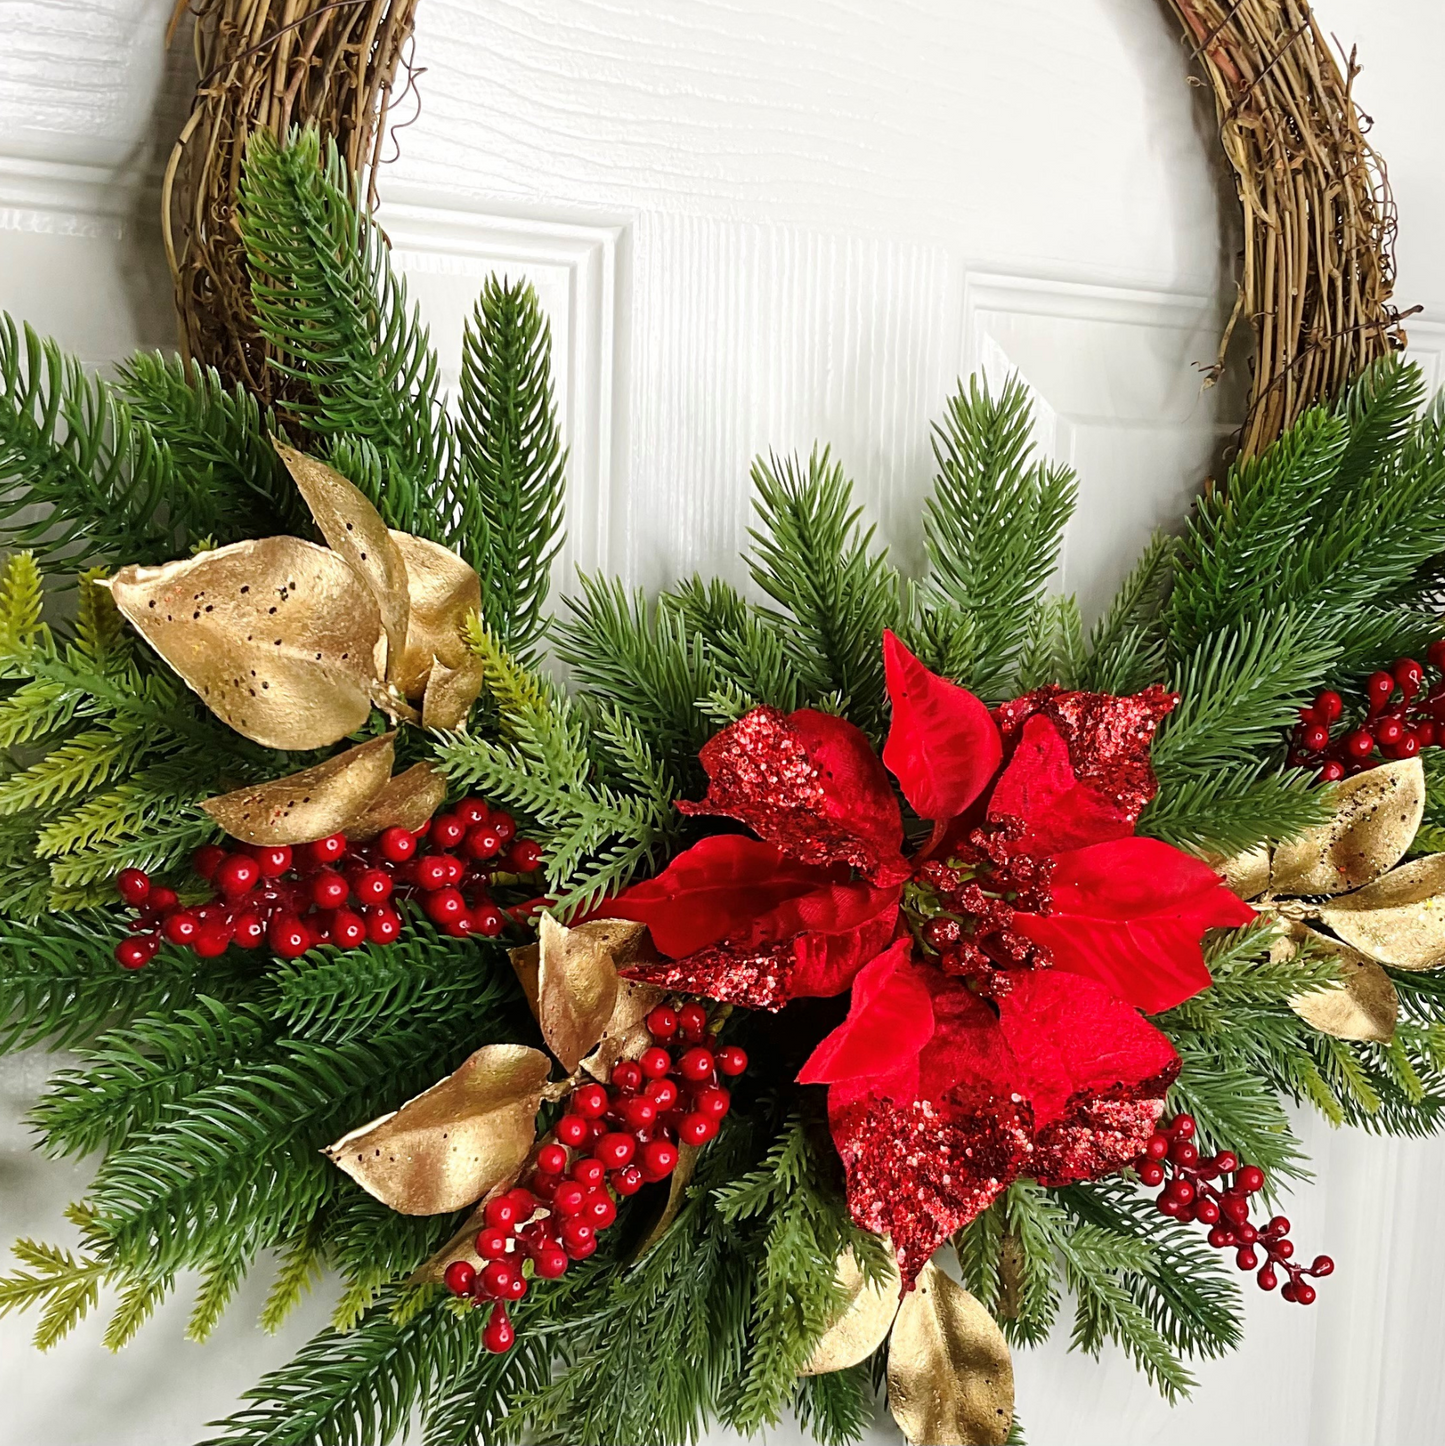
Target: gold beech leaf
<point>950,1377</point>
<point>311,804</point>
<point>1399,919</point>
<point>864,1322</point>
<point>277,636</point>
<point>1364,1005</point>
<point>1376,815</point>
<point>1247,873</point>
<point>450,693</point>
<point>406,801</point>
<point>443,592</point>
<point>678,1182</point>
<point>626,1034</point>
<point>576,986</point>
<point>450,1145</point>
<point>353,529</point>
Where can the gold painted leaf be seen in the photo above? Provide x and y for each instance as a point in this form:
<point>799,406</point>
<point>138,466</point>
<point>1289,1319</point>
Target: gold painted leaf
<point>678,1182</point>
<point>1364,1005</point>
<point>277,636</point>
<point>864,1323</point>
<point>450,693</point>
<point>626,1034</point>
<point>353,529</point>
<point>451,1144</point>
<point>311,804</point>
<point>1247,873</point>
<point>1376,815</point>
<point>443,590</point>
<point>950,1376</point>
<point>576,985</point>
<point>1399,919</point>
<point>407,801</point>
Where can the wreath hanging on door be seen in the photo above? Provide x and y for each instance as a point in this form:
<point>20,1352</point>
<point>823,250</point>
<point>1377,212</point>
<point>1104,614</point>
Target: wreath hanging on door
<point>651,1051</point>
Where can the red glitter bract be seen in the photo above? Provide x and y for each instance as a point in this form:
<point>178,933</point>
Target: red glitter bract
<point>918,1171</point>
<point>1099,1133</point>
<point>1108,739</point>
<point>809,783</point>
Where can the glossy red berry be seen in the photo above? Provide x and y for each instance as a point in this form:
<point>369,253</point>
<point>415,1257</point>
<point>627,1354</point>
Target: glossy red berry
<point>552,1159</point>
<point>472,811</point>
<point>639,1112</point>
<point>1435,655</point>
<point>615,1150</point>
<point>212,939</point>
<point>1251,1179</point>
<point>372,886</point>
<point>1379,687</point>
<point>627,1075</point>
<point>1315,738</point>
<point>460,1276</point>
<point>712,1102</point>
<point>569,1197</point>
<point>1183,1127</point>
<point>654,1062</point>
<point>326,851</point>
<point>135,953</point>
<point>692,1022</point>
<point>181,927</point>
<point>1332,771</point>
<point>1151,1173</point>
<point>432,872</point>
<point>396,844</point>
<point>273,860</point>
<point>695,1129</point>
<point>1389,731</point>
<point>447,831</point>
<point>134,886</point>
<point>599,1210</point>
<point>501,1213</point>
<point>590,1102</point>
<point>577,1233</point>
<point>1246,1258</point>
<point>588,1173</point>
<point>663,1093</point>
<point>288,936</point>
<point>1267,1278</point>
<point>491,1243</point>
<point>1304,1293</point>
<point>628,1181</point>
<point>1329,706</point>
<point>524,857</point>
<point>483,842</point>
<point>1360,743</point>
<point>329,890</point>
<point>505,826</point>
<point>550,1262</point>
<point>499,1334</point>
<point>496,1275</point>
<point>162,899</point>
<point>662,1022</point>
<point>383,924</point>
<point>348,930</point>
<point>489,921</point>
<point>445,906</point>
<point>572,1130</point>
<point>659,1158</point>
<point>731,1060</point>
<point>696,1065</point>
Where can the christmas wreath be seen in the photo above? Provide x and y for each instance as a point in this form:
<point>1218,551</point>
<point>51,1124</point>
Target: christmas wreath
<point>818,989</point>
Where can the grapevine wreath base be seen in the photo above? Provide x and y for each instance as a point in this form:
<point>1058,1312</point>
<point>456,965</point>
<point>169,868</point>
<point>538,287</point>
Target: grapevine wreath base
<point>809,1001</point>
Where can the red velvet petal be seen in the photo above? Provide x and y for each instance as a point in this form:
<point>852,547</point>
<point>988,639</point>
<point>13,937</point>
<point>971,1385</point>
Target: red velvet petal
<point>890,1019</point>
<point>768,961</point>
<point>1071,1036</point>
<point>1040,788</point>
<point>1131,915</point>
<point>943,746</point>
<point>714,890</point>
<point>918,1171</point>
<point>1108,738</point>
<point>809,783</point>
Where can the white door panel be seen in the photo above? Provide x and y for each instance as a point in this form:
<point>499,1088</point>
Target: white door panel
<point>758,226</point>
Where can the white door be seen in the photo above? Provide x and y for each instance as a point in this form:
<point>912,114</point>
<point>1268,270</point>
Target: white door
<point>760,226</point>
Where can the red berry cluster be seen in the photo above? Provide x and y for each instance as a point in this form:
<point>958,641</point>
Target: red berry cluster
<point>611,1142</point>
<point>333,891</point>
<point>1402,716</point>
<point>1172,1159</point>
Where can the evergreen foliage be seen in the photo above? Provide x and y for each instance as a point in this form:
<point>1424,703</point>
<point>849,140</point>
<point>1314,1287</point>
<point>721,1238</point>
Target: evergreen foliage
<point>208,1088</point>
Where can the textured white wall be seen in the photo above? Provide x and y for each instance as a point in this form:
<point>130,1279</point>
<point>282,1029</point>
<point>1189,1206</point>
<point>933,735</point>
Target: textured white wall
<point>760,226</point>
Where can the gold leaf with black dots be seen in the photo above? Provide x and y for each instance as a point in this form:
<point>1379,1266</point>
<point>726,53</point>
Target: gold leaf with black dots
<point>278,637</point>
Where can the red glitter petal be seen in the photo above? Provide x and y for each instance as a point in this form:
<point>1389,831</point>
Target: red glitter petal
<point>1108,738</point>
<point>918,1171</point>
<point>1100,1133</point>
<point>809,783</point>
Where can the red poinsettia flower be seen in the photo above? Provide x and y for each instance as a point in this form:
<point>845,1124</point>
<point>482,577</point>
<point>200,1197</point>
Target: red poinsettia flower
<point>998,973</point>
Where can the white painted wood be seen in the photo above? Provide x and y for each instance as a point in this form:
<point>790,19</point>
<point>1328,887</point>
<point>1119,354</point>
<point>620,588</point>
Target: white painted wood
<point>759,226</point>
